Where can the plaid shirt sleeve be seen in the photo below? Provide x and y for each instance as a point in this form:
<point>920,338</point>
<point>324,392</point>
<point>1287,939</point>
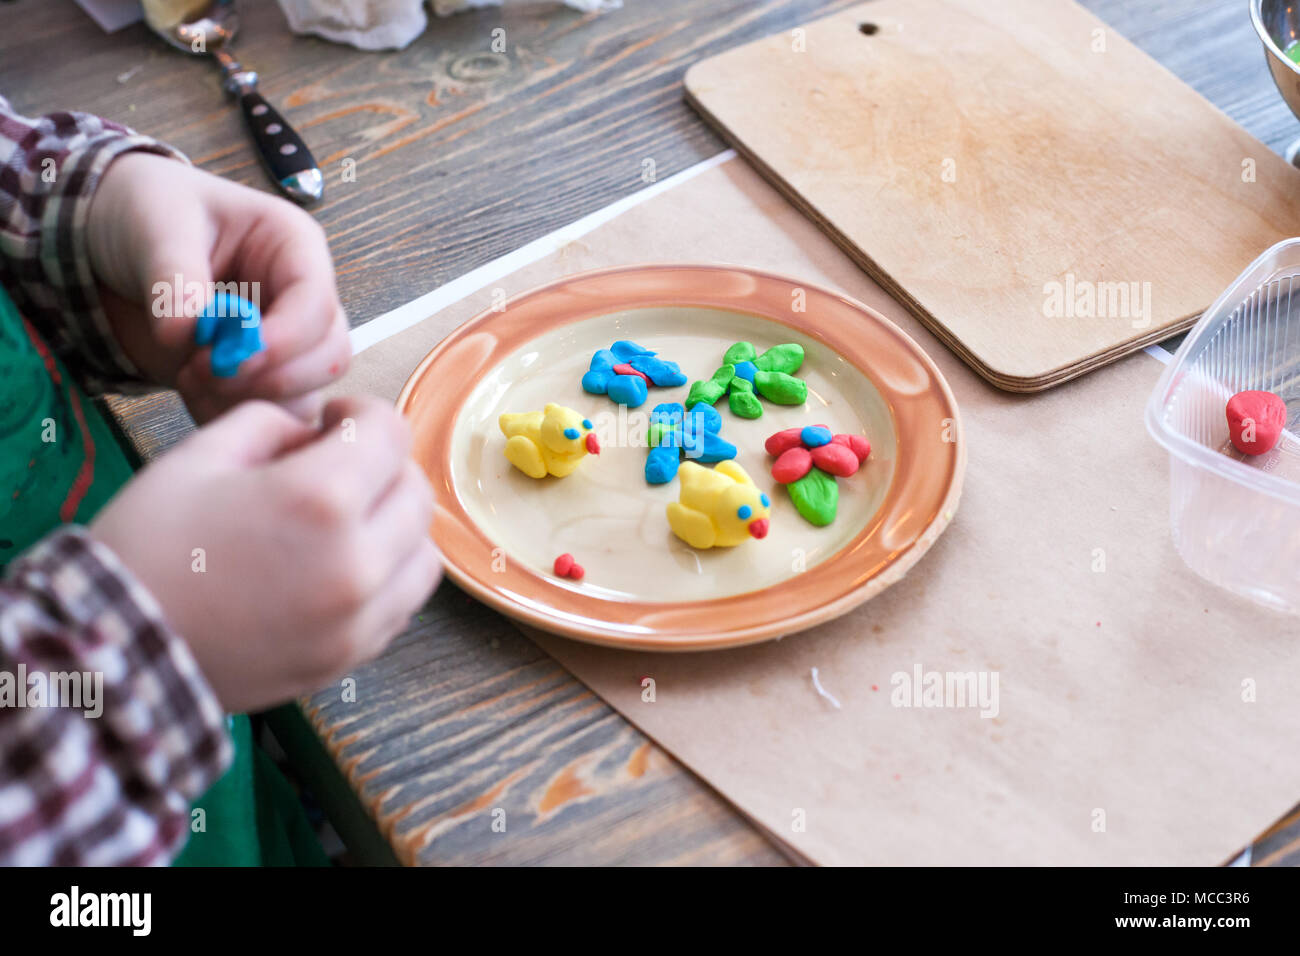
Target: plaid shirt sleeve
<point>109,780</point>
<point>50,167</point>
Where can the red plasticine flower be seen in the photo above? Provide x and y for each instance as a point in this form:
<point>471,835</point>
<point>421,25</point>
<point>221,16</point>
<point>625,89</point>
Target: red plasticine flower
<point>808,460</point>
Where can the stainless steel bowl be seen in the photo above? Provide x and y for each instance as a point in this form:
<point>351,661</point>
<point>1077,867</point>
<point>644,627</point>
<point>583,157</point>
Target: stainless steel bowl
<point>1278,24</point>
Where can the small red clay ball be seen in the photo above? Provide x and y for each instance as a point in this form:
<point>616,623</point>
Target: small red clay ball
<point>566,567</point>
<point>835,459</point>
<point>1255,421</point>
<point>792,464</point>
<point>783,440</point>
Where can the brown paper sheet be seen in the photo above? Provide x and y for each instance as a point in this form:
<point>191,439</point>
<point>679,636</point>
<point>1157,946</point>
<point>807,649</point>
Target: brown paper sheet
<point>1144,716</point>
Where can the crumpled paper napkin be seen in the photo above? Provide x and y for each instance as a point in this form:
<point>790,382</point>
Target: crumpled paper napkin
<point>390,24</point>
<point>445,8</point>
<point>364,24</point>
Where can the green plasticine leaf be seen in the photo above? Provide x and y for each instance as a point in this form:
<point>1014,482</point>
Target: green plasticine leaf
<point>657,432</point>
<point>781,389</point>
<point>742,400</point>
<point>781,358</point>
<point>712,389</point>
<point>740,352</point>
<point>816,496</point>
<point>707,392</point>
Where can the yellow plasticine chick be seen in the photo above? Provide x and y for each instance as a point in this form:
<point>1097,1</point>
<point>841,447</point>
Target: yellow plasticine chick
<point>550,442</point>
<point>718,507</point>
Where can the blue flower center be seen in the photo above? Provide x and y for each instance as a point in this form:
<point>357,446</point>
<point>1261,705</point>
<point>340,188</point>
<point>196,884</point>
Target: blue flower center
<point>814,436</point>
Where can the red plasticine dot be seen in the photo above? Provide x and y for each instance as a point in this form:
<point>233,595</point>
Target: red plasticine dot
<point>566,567</point>
<point>874,687</point>
<point>629,370</point>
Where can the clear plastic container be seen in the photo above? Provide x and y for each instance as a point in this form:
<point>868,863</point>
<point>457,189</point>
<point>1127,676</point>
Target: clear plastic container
<point>1236,518</point>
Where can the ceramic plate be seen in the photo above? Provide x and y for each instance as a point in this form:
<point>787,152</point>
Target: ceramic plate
<point>501,531</point>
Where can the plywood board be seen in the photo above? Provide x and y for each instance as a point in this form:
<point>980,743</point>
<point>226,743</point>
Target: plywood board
<point>1040,193</point>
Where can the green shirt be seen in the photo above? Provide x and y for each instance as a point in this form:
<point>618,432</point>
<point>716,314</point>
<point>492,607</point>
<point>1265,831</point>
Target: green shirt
<point>60,462</point>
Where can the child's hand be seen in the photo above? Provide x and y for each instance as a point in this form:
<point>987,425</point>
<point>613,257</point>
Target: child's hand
<point>153,220</point>
<point>283,554</point>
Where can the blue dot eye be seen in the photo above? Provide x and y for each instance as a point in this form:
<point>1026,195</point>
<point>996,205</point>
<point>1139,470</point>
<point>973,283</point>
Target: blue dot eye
<point>586,423</point>
<point>570,433</point>
<point>766,503</point>
<point>744,511</point>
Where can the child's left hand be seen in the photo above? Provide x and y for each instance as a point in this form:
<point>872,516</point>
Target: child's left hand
<point>153,220</point>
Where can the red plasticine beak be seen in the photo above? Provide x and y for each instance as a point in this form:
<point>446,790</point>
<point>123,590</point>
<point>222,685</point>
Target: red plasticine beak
<point>593,445</point>
<point>758,528</point>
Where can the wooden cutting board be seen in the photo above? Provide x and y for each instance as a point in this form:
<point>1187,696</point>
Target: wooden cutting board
<point>1040,193</point>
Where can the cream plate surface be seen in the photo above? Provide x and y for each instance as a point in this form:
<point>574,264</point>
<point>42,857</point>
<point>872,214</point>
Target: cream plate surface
<point>605,514</point>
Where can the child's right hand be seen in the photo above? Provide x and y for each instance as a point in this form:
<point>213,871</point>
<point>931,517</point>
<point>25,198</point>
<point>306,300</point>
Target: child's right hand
<point>283,554</point>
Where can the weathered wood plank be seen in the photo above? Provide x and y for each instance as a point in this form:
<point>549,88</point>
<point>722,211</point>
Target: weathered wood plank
<point>473,746</point>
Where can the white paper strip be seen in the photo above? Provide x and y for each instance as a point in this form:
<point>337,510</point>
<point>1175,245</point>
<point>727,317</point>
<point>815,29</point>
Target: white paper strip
<point>405,316</point>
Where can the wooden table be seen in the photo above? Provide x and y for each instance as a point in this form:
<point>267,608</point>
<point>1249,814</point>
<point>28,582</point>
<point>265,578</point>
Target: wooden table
<point>461,155</point>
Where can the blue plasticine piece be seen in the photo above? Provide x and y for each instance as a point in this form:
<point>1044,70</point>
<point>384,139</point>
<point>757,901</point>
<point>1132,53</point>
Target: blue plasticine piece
<point>233,327</point>
<point>715,448</point>
<point>700,439</point>
<point>205,329</point>
<point>661,465</point>
<point>708,418</point>
<point>626,350</point>
<point>629,390</point>
<point>746,371</point>
<point>229,352</point>
<point>815,436</point>
<point>662,373</point>
<point>596,381</point>
<point>669,415</point>
<point>694,431</point>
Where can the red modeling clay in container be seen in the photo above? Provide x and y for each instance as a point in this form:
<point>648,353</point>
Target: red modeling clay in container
<point>1255,421</point>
